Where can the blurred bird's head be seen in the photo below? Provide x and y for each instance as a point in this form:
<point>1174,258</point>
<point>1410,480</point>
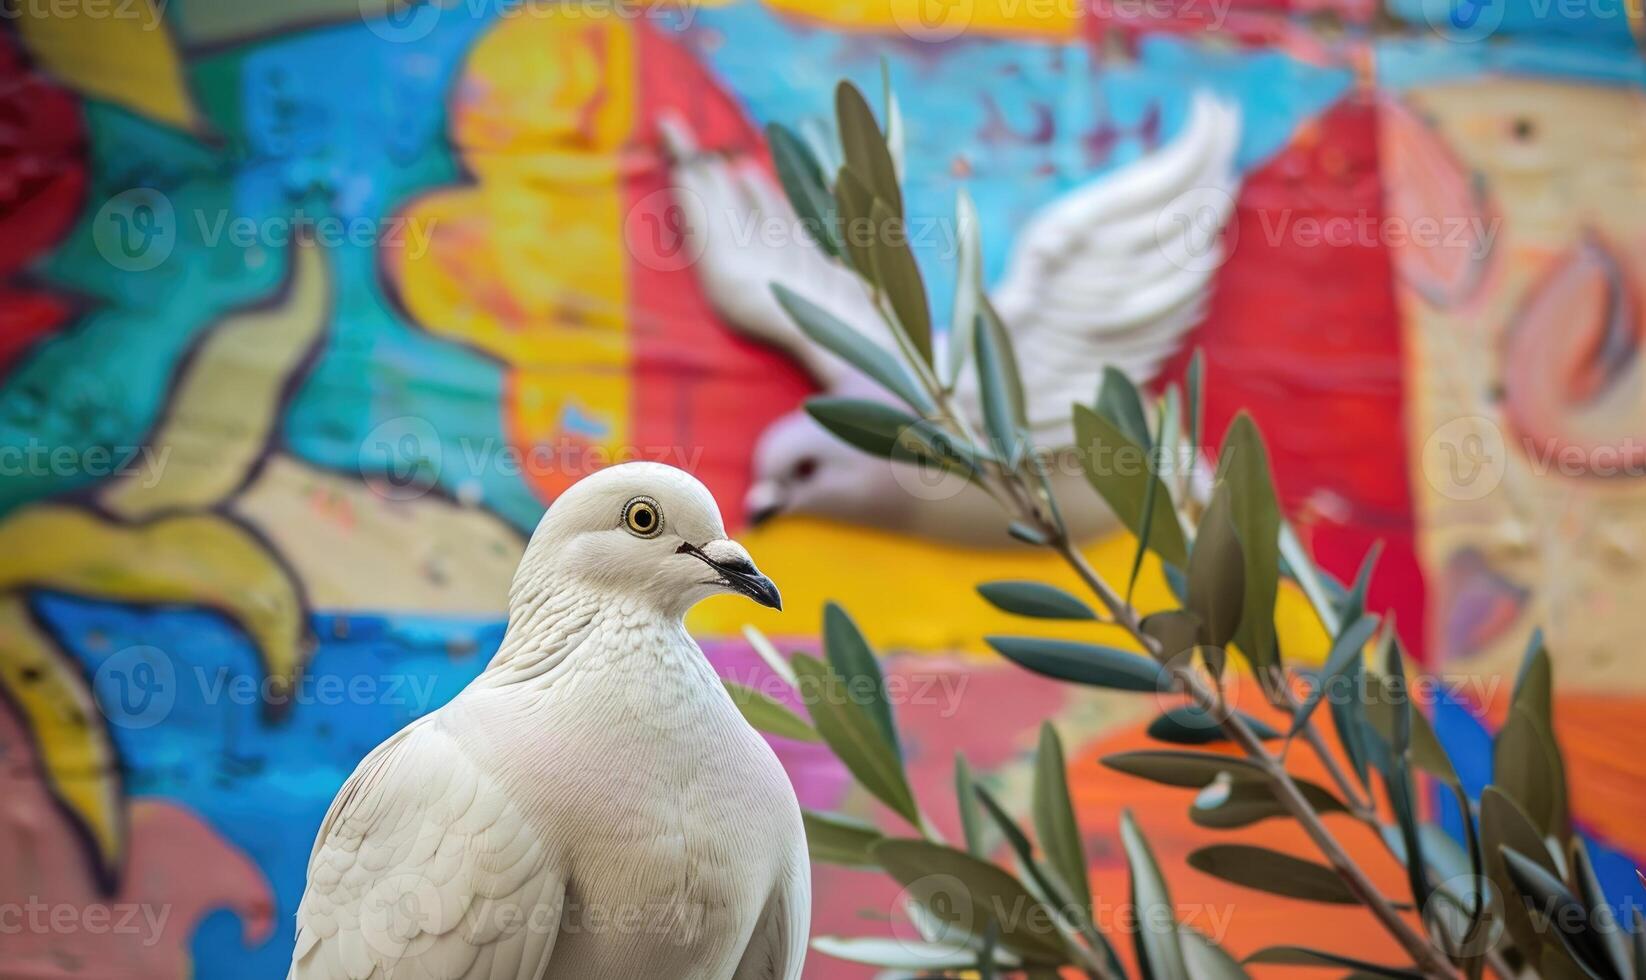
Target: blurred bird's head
<point>799,468</point>
<point>641,532</point>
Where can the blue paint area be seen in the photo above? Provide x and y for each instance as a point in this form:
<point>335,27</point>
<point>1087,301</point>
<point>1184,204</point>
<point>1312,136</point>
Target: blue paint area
<point>1476,23</point>
<point>1016,122</point>
<point>1405,63</point>
<point>264,784</point>
<point>1470,747</point>
<point>355,142</point>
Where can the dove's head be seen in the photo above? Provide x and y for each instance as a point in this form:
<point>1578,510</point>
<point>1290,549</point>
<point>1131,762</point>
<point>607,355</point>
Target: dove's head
<point>639,531</point>
<point>799,468</point>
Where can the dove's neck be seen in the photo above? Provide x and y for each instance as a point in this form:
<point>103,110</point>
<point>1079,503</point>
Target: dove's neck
<point>556,631</point>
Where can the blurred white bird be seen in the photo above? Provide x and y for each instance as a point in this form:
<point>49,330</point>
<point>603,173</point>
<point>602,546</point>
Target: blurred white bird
<point>592,806</point>
<point>1113,273</point>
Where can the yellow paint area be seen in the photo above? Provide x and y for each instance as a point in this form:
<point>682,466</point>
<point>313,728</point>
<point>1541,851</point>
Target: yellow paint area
<point>1560,162</point>
<point>352,549</point>
<point>528,263</point>
<point>943,19</point>
<point>197,560</point>
<point>57,708</point>
<point>915,595</point>
<point>128,59</point>
<point>226,403</point>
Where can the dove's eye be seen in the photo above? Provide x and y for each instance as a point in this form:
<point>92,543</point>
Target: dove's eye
<point>806,468</point>
<point>642,517</point>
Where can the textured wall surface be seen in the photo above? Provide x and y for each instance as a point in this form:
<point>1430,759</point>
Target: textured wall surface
<point>308,309</point>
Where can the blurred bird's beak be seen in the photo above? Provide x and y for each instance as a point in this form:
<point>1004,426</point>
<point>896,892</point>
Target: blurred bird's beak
<point>737,572</point>
<point>764,502</point>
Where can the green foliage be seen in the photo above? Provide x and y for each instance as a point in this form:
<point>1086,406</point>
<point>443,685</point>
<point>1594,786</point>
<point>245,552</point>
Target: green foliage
<point>1035,599</point>
<point>1223,556</point>
<point>1082,663</point>
<point>767,715</point>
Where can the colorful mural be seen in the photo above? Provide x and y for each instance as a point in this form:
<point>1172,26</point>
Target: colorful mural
<point>307,310</point>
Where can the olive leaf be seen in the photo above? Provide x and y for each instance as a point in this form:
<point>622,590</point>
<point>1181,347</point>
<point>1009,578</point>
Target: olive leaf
<point>1001,388</point>
<point>1118,469</point>
<point>1562,912</point>
<point>767,715</point>
<point>971,822</point>
<point>1178,632</point>
<point>1190,724</point>
<point>1302,956</point>
<point>1178,768</point>
<point>1207,960</point>
<point>1054,818</point>
<point>1353,604</point>
<point>854,736</point>
<point>1035,599</point>
<point>907,954</point>
<point>1082,663</point>
<point>1118,401</point>
<point>834,839</point>
<point>897,273</point>
<point>835,336</point>
<point>968,286</point>
<point>1217,572</point>
<point>850,657</point>
<point>972,894</point>
<point>1345,653</point>
<point>890,433</point>
<point>1194,396</point>
<point>864,147</point>
<point>1505,826</point>
<point>1603,922</point>
<point>855,203</point>
<point>1243,464</point>
<point>1159,950</point>
<point>1265,870</point>
<point>1249,801</point>
<point>802,179</point>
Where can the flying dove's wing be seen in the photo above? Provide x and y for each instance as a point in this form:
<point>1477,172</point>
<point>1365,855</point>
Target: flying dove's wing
<point>1117,271</point>
<point>746,236</point>
<point>424,867</point>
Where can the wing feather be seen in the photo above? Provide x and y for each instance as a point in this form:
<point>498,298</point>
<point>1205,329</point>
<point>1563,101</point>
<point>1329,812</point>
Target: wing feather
<point>1117,271</point>
<point>424,868</point>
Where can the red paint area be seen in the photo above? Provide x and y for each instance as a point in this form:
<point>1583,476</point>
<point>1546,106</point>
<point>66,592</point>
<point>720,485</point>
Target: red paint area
<point>1305,333</point>
<point>42,187</point>
<point>697,384</point>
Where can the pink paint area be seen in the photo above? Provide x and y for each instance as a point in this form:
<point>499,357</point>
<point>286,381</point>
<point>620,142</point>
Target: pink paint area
<point>58,923</point>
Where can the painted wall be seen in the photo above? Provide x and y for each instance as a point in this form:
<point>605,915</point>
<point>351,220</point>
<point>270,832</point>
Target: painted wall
<point>307,310</point>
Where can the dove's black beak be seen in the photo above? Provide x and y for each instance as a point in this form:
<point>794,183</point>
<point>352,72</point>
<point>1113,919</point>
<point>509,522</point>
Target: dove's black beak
<point>736,571</point>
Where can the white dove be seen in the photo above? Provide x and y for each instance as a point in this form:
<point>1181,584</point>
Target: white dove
<point>592,806</point>
<point>1115,272</point>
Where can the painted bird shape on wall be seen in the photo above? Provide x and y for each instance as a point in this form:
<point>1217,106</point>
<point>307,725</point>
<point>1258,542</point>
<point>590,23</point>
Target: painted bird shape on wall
<point>593,806</point>
<point>1114,273</point>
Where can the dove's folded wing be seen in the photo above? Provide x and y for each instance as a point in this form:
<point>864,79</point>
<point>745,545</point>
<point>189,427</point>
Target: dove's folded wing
<point>424,867</point>
<point>777,949</point>
<point>1117,271</point>
<point>746,236</point>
